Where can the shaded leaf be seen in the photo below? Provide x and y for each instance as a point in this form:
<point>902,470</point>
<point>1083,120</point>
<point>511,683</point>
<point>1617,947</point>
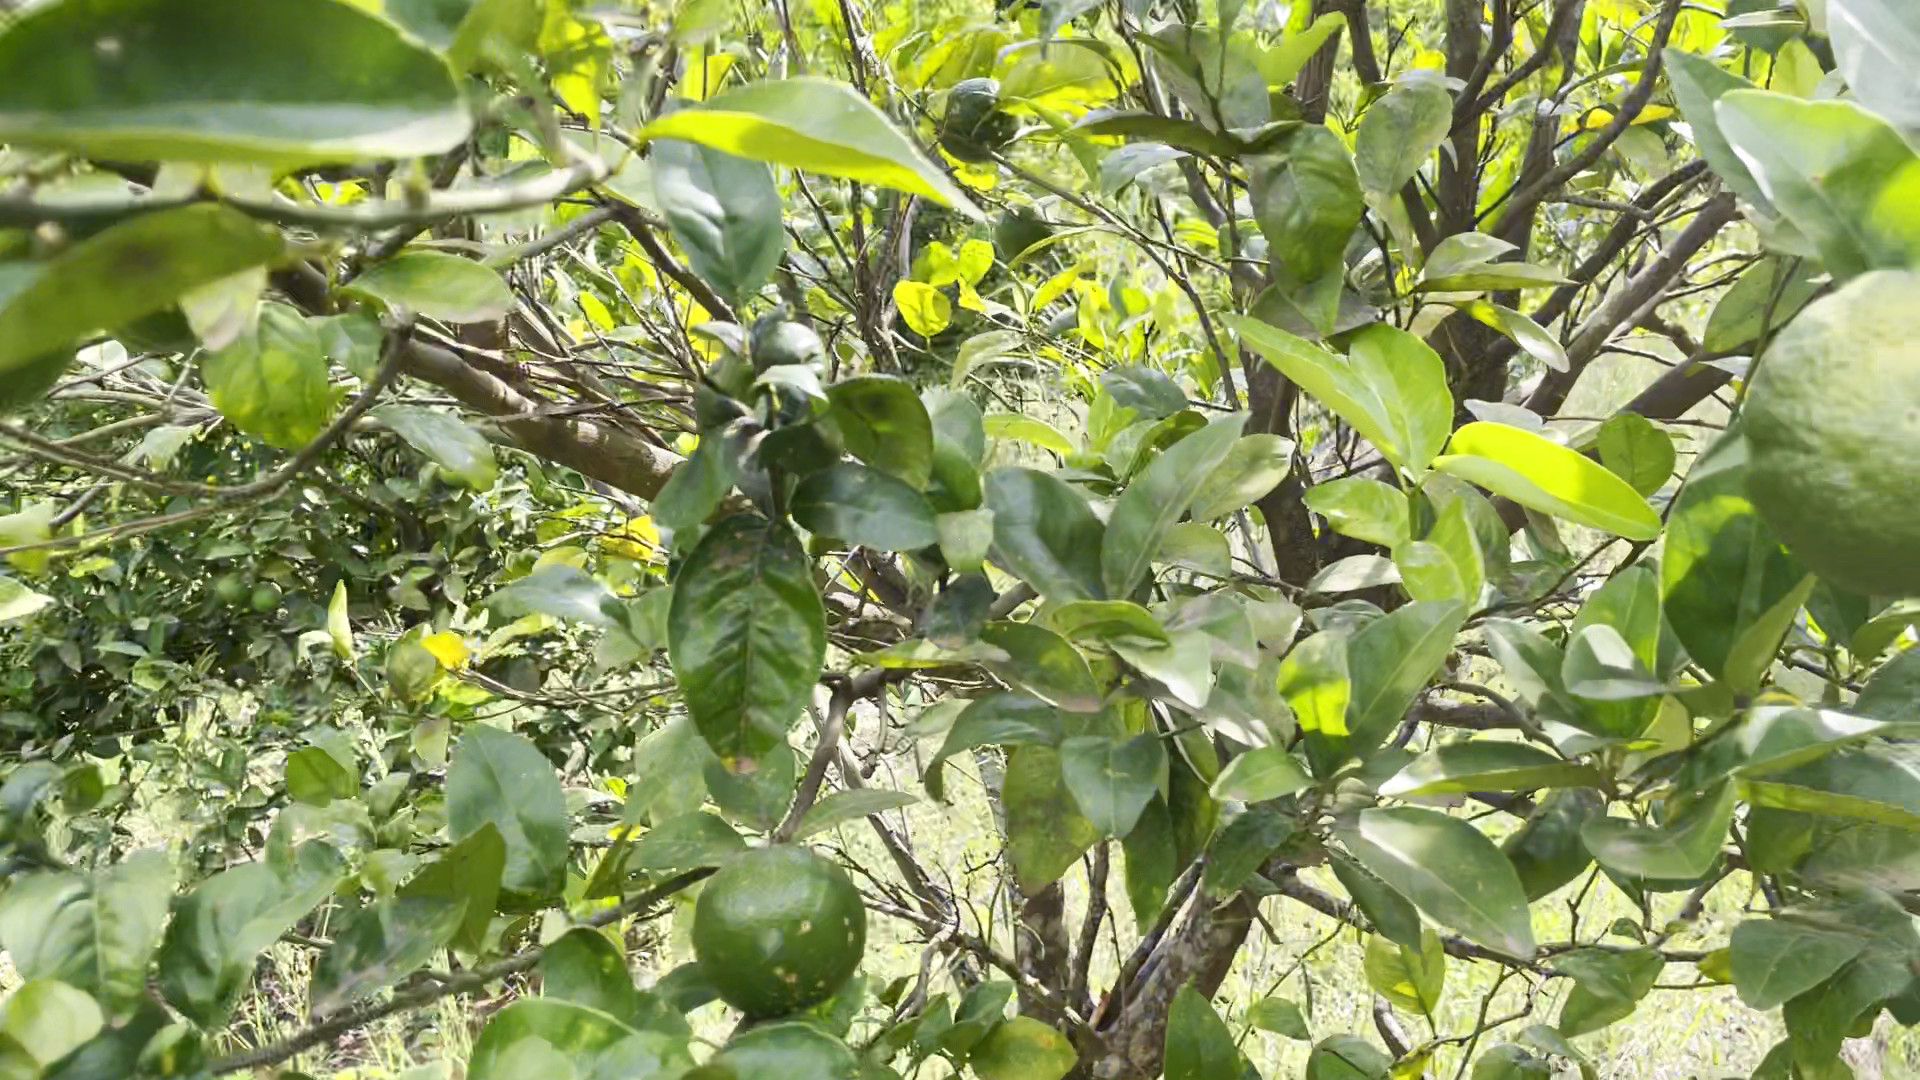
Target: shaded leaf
<point>208,80</point>
<point>747,636</point>
<point>1448,869</point>
<point>500,780</point>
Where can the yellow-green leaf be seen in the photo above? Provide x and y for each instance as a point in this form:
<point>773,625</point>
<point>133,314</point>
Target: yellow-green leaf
<point>816,125</point>
<point>1539,473</point>
<point>925,308</point>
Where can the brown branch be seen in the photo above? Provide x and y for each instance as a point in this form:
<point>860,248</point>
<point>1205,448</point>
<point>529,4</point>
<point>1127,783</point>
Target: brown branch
<point>1523,202</point>
<point>601,452</point>
<point>1647,285</point>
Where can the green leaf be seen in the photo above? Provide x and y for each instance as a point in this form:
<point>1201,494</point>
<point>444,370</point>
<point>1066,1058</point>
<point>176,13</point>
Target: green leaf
<point>687,842</point>
<point>1306,198</point>
<point>1637,451</point>
<point>1607,986</point>
<point>1764,299</point>
<point>96,932</point>
<point>1000,719</point>
<point>1199,1046</point>
<point>1280,64</point>
<point>463,452</point>
<point>1823,1018</point>
<point>1046,833</point>
<point>561,592</point>
<point>1547,851</point>
<point>1412,979</point>
<point>1391,659</point>
<point>1837,172</point>
<point>966,536</point>
<point>1157,498</point>
<point>1448,869</point>
<point>43,1021</point>
<point>467,877</point>
<point>1602,667</point>
<point>1045,534</point>
<point>1314,680</point>
<point>436,285</point>
<point>1112,781</point>
<point>1044,664</point>
<point>1280,1016</point>
<point>549,1037</point>
<point>273,385</point>
<point>1698,85</point>
<point>315,777</point>
<point>1537,340</point>
<point>1022,1048</point>
<point>186,80</point>
<point>207,955</point>
<point>884,423</point>
<point>1107,621</point>
<point>376,945</point>
<point>1682,849</point>
<point>1152,858</point>
<point>124,272</point>
<point>723,211</point>
<point>1399,132</point>
<point>1388,912</point>
<point>1874,42</point>
<point>1465,262</point>
<point>1485,765</point>
<point>1259,774</point>
<point>1881,786</point>
<point>1028,430</point>
<point>851,805</point>
<point>1511,1062</point>
<point>1254,466</point>
<point>1347,1057</point>
<point>1411,381</point>
<point>698,485</point>
<point>1242,847</point>
<point>1391,388</point>
<point>19,602</point>
<point>1775,960</point>
<point>1447,565</point>
<point>1539,473</point>
<point>1725,575</point>
<point>1184,665</point>
<point>1362,508</point>
<point>583,967</point>
<point>864,507</point>
<point>747,636</point>
<point>1771,739</point>
<point>1144,390</point>
<point>814,125</point>
<point>500,779</point>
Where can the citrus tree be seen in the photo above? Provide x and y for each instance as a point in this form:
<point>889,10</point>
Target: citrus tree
<point>485,473</point>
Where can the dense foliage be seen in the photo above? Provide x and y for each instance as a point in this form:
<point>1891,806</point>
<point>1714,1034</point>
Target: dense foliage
<point>479,469</point>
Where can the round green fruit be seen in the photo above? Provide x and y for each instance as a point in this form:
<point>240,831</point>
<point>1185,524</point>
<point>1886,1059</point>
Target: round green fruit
<point>1830,417</point>
<point>777,930</point>
<point>265,598</point>
<point>1017,230</point>
<point>974,128</point>
<point>231,588</point>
